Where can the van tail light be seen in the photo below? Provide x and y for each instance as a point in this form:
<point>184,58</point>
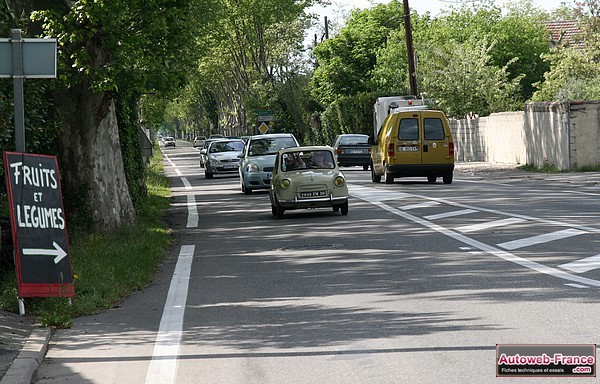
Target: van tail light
<point>391,149</point>
<point>451,149</point>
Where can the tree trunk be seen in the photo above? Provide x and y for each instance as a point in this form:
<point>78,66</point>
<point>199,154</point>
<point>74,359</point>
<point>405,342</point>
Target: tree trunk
<point>92,165</point>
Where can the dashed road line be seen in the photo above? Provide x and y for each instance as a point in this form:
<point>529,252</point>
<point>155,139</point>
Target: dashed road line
<point>163,366</point>
<point>192,212</point>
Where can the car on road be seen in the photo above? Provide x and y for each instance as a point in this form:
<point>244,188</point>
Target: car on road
<point>169,141</point>
<point>222,157</point>
<point>199,141</point>
<point>352,149</point>
<point>413,143</point>
<point>203,151</point>
<point>258,159</point>
<point>307,177</point>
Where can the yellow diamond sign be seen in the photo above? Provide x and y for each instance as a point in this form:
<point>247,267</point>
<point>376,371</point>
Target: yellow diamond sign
<point>263,128</point>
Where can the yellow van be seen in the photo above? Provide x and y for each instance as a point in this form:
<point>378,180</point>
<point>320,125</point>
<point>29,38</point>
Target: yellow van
<point>413,143</point>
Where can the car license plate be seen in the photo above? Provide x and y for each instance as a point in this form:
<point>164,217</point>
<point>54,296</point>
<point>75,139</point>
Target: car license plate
<point>408,149</point>
<point>356,151</point>
<point>230,166</point>
<point>313,194</point>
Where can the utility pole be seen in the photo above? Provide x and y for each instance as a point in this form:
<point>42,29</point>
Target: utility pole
<point>412,75</point>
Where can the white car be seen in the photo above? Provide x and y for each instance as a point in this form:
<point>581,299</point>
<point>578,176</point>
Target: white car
<point>258,159</point>
<point>222,157</point>
<point>169,141</point>
<point>307,177</point>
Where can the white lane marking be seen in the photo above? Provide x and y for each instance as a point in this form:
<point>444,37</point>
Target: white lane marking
<point>192,212</point>
<point>577,285</point>
<point>482,246</point>
<point>489,225</point>
<point>583,265</point>
<point>365,193</point>
<point>186,183</point>
<point>426,204</point>
<point>163,367</point>
<point>450,214</point>
<point>178,172</point>
<point>540,239</point>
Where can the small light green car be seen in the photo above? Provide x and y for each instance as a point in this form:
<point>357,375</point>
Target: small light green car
<point>307,177</point>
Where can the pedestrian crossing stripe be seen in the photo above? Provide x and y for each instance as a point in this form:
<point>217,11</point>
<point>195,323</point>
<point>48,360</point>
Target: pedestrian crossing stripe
<point>540,239</point>
<point>583,265</point>
<point>490,224</point>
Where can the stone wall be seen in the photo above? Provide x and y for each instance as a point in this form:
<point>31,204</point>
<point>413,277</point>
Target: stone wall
<point>564,135</point>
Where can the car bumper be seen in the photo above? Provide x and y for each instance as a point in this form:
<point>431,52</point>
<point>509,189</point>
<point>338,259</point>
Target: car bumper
<point>412,170</point>
<point>222,169</point>
<point>321,202</point>
<point>257,180</point>
<point>349,160</point>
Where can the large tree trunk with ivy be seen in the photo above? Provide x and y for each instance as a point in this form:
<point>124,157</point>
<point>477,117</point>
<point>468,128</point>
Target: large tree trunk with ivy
<point>90,157</point>
<point>92,164</point>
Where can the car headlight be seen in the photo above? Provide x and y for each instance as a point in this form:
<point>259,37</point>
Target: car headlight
<point>250,168</point>
<point>285,183</point>
<point>213,159</point>
<point>339,181</point>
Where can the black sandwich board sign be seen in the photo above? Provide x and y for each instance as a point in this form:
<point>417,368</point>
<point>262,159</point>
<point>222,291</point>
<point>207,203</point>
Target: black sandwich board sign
<point>39,226</point>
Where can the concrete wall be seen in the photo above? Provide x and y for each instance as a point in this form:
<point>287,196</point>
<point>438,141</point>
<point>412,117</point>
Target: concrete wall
<point>565,135</point>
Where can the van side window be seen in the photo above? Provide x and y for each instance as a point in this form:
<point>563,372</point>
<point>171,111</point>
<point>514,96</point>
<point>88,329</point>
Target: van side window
<point>409,129</point>
<point>434,130</point>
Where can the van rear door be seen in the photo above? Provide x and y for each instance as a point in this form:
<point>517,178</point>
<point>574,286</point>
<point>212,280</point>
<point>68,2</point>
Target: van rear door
<point>408,147</point>
<point>436,139</point>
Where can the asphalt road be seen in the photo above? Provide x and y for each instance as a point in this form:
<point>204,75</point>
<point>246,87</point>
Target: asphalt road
<point>416,285</point>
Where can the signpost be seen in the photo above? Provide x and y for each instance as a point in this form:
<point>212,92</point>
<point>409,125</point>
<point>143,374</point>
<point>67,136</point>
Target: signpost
<point>35,198</point>
<point>21,58</point>
<point>37,217</point>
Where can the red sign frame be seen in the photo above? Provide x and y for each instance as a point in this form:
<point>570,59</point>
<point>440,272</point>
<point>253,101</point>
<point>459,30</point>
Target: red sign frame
<point>38,224</point>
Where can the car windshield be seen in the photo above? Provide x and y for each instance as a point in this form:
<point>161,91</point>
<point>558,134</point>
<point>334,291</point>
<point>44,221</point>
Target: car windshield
<point>269,146</point>
<point>227,146</point>
<point>292,161</point>
<point>354,140</point>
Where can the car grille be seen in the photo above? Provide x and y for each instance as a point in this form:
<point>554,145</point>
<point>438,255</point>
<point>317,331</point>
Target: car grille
<point>230,161</point>
<point>268,169</point>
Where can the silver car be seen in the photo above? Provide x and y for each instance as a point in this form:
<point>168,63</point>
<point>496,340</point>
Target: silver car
<point>222,157</point>
<point>258,159</point>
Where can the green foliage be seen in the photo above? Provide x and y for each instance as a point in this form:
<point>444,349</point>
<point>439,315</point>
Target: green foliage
<point>471,84</point>
<point>352,114</point>
<point>575,72</point>
<point>129,137</point>
<point>346,61</point>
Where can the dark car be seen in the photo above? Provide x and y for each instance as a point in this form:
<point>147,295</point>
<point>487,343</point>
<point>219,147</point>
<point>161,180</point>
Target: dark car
<point>352,149</point>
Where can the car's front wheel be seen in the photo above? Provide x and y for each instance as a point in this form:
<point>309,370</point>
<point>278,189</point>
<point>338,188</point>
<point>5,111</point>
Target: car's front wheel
<point>276,209</point>
<point>207,174</point>
<point>344,208</point>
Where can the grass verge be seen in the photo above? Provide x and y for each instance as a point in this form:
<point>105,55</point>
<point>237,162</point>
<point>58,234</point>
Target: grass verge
<point>107,267</point>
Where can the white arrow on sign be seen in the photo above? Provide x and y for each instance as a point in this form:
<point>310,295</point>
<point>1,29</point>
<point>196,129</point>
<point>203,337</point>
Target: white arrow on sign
<point>58,252</point>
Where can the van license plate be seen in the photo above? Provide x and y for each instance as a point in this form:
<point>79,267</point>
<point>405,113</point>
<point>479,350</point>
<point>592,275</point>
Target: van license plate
<point>313,194</point>
<point>408,149</point>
